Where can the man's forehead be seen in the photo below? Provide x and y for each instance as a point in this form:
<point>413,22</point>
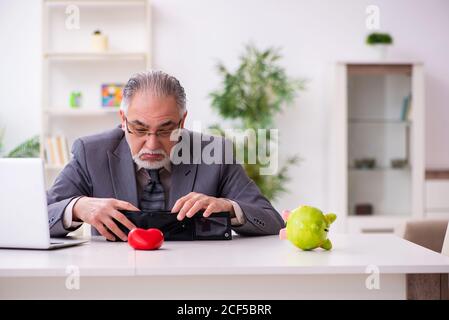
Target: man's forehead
<point>149,109</point>
<point>148,98</point>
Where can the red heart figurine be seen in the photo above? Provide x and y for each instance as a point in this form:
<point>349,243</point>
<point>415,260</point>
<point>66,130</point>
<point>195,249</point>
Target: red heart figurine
<point>141,239</point>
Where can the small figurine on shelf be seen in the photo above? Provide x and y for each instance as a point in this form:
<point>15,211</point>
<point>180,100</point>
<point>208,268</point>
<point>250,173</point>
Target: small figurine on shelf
<point>99,41</point>
<point>75,99</point>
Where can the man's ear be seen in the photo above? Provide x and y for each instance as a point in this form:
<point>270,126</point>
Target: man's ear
<point>122,119</point>
<point>183,120</point>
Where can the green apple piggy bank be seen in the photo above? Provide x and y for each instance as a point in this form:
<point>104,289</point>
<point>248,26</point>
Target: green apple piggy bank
<point>307,228</point>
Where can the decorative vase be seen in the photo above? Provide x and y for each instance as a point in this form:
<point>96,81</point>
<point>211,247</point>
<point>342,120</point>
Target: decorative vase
<point>99,42</point>
<point>381,51</point>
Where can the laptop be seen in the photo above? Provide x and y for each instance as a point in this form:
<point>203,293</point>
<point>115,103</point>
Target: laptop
<point>23,206</point>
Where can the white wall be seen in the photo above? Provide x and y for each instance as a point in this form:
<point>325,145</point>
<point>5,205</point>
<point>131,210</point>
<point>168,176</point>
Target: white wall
<point>20,70</point>
<point>189,37</point>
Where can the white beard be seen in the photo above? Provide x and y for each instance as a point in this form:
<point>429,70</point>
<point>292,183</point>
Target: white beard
<point>151,164</point>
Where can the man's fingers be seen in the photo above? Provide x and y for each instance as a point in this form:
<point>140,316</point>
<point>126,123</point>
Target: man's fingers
<point>180,202</point>
<point>123,220</point>
<point>187,205</point>
<point>104,232</point>
<point>200,204</point>
<point>115,229</point>
<point>119,204</point>
<point>209,210</point>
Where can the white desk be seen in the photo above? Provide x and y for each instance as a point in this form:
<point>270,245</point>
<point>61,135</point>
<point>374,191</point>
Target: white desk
<point>244,268</point>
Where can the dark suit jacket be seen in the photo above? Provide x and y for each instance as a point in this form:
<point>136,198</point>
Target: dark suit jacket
<point>102,167</point>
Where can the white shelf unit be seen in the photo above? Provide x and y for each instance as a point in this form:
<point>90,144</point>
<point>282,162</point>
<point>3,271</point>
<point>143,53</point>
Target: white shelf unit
<point>367,124</point>
<point>70,64</point>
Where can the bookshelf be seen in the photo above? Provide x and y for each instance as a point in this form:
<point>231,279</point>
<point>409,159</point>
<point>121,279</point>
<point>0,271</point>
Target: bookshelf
<point>70,63</point>
<point>377,145</point>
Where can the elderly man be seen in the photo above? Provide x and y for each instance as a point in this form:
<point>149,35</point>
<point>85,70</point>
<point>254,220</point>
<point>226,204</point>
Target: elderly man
<point>131,167</point>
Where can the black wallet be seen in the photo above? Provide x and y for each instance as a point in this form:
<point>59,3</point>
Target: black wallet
<point>215,227</point>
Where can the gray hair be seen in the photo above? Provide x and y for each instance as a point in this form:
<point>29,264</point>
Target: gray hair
<point>156,82</point>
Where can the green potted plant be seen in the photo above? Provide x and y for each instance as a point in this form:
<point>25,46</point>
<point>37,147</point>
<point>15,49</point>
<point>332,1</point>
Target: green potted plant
<point>2,133</point>
<point>380,42</point>
<point>251,97</point>
<point>27,149</point>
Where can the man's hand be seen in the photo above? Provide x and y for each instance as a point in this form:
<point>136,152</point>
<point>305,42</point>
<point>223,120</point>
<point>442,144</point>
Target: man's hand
<point>193,202</point>
<point>99,212</point>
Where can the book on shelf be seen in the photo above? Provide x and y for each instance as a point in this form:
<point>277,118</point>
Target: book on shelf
<point>56,151</point>
<point>406,108</point>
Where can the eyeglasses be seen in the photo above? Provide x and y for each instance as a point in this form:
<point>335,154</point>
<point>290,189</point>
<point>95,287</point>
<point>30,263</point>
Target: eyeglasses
<point>140,132</point>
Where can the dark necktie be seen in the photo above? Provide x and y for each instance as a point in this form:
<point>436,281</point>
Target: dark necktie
<point>153,196</point>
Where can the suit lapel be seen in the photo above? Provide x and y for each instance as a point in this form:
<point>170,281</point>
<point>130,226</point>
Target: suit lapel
<point>183,175</point>
<point>123,174</point>
<point>182,181</point>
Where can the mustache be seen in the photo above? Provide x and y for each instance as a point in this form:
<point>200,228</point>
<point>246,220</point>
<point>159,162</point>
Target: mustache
<point>148,151</point>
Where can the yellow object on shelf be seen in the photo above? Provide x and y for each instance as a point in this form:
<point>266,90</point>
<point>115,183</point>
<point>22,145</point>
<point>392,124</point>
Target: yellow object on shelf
<point>99,42</point>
